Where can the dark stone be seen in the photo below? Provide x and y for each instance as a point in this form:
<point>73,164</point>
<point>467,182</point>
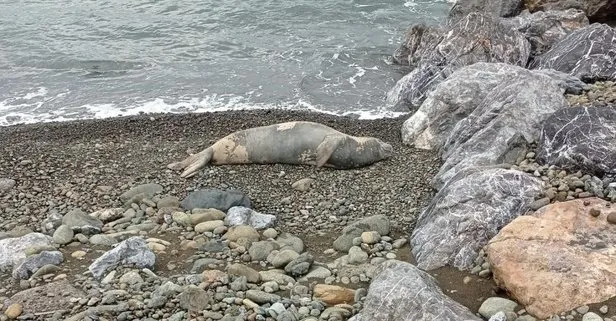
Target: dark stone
<point>80,222</point>
<point>147,190</point>
<point>215,198</point>
<point>300,265</point>
<point>611,218</point>
<point>588,53</point>
<point>498,130</point>
<point>34,262</point>
<point>467,212</point>
<point>474,38</point>
<point>214,246</point>
<point>580,138</point>
<point>596,10</point>
<point>420,40</point>
<point>402,292</point>
<point>545,28</point>
<point>594,212</point>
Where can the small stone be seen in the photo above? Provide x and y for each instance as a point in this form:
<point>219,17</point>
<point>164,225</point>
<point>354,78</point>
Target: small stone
<point>604,309</point>
<point>333,294</point>
<point>583,309</point>
<point>239,215</point>
<point>399,243</point>
<point>208,226</point>
<point>102,239</point>
<point>181,218</point>
<point>591,316</point>
<point>131,277</point>
<point>63,235</point>
<point>78,254</point>
<point>251,274</point>
<point>14,311</point>
<point>540,203</point>
<point>371,237</point>
<point>303,184</point>
<point>499,316</point>
<point>270,233</point>
<point>611,218</point>
<point>357,255</point>
<point>262,297</point>
<point>493,305</point>
<point>193,298</point>
<point>282,258</point>
<point>594,212</point>
<point>242,231</point>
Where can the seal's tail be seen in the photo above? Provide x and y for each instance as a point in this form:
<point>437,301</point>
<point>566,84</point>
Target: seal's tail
<point>193,163</point>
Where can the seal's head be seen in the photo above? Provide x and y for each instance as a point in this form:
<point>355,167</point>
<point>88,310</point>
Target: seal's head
<point>385,149</point>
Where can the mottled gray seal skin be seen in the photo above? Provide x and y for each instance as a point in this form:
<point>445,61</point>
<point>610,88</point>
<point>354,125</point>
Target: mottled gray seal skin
<point>298,143</point>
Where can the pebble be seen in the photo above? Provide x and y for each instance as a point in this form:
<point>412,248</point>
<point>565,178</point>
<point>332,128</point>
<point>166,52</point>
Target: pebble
<point>611,218</point>
<point>78,254</point>
<point>591,316</point>
<point>493,305</point>
<point>371,237</point>
<point>14,310</point>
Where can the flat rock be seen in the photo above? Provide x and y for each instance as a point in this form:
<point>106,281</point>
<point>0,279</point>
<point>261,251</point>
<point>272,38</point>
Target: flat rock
<point>251,274</point>
<point>131,252</point>
<point>242,232</point>
<point>558,258</point>
<point>109,214</point>
<point>402,292</point>
<point>205,215</point>
<point>215,198</point>
<point>333,294</point>
<point>586,53</point>
<point>260,250</point>
<point>281,258</point>
<point>467,212</point>
<point>103,239</point>
<point>545,28</point>
<point>13,250</point>
<point>480,37</point>
<point>299,265</point>
<point>34,262</point>
<point>262,297</point>
<point>81,222</point>
<point>193,298</point>
<point>47,297</point>
<point>580,138</point>
<point>239,215</point>
<point>208,226</point>
<point>148,190</point>
<point>290,241</point>
<point>493,305</point>
<point>303,184</point>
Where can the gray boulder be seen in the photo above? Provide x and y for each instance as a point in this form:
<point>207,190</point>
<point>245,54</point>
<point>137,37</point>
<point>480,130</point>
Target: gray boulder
<point>474,38</point>
<point>51,222</point>
<point>132,252</point>
<point>545,28</point>
<point>494,8</point>
<point>146,190</point>
<point>588,53</point>
<point>239,215</point>
<point>159,297</point>
<point>32,263</point>
<point>6,184</point>
<point>402,292</point>
<point>467,212</point>
<point>596,10</point>
<point>455,98</point>
<point>81,222</point>
<point>580,138</point>
<point>419,42</point>
<point>13,250</point>
<point>378,223</point>
<point>215,198</point>
<point>498,130</point>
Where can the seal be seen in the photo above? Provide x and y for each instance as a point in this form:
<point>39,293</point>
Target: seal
<point>296,143</point>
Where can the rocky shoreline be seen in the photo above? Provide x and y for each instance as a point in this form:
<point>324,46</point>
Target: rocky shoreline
<point>497,204</point>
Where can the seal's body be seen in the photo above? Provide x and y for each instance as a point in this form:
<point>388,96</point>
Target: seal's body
<point>300,143</point>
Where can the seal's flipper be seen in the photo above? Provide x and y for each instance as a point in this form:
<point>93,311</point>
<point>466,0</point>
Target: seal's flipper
<point>326,149</point>
<point>193,162</point>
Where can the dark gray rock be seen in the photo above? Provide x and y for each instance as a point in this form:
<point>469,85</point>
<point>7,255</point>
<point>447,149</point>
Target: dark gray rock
<point>239,215</point>
<point>260,250</point>
<point>159,297</point>
<point>215,198</point>
<point>419,42</point>
<point>6,184</point>
<point>501,126</point>
<point>51,222</point>
<point>214,246</point>
<point>81,222</point>
<point>580,138</point>
<point>494,8</point>
<point>147,190</point>
<point>474,38</point>
<point>63,235</point>
<point>13,250</point>
<point>402,292</point>
<point>588,53</point>
<point>379,223</point>
<point>131,252</point>
<point>467,212</point>
<point>455,98</point>
<point>34,262</point>
<point>261,297</point>
<point>545,28</point>
<point>300,265</point>
<point>596,10</point>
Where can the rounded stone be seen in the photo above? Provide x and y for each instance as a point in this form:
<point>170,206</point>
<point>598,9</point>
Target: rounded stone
<point>493,305</point>
<point>270,233</point>
<point>63,235</point>
<point>371,237</point>
<point>14,311</point>
<point>208,226</point>
<point>611,218</point>
<point>242,231</point>
<point>357,255</point>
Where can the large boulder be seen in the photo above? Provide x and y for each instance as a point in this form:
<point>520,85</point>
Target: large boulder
<point>545,28</point>
<point>559,258</point>
<point>402,292</point>
<point>131,252</point>
<point>501,126</point>
<point>588,53</point>
<point>596,10</point>
<point>474,38</point>
<point>494,8</point>
<point>419,42</point>
<point>456,97</point>
<point>467,212</point>
<point>81,222</point>
<point>47,297</point>
<point>215,198</point>
<point>580,138</point>
<point>13,250</point>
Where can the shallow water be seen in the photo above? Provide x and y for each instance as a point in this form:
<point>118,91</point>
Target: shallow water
<point>77,59</point>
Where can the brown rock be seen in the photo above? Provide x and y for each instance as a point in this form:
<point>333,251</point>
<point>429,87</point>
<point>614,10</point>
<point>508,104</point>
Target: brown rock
<point>205,215</point>
<point>611,218</point>
<point>557,259</point>
<point>14,310</point>
<point>333,294</point>
<point>242,231</point>
<point>595,212</point>
<point>211,276</point>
